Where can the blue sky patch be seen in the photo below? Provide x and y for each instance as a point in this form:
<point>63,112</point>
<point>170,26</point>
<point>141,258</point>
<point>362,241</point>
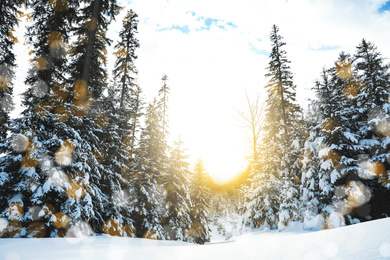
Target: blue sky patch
<point>385,7</point>
<point>184,29</point>
<point>326,48</point>
<point>258,51</point>
<point>191,13</point>
<point>210,21</point>
<point>232,25</point>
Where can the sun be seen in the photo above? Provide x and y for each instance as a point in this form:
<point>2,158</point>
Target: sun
<point>223,161</point>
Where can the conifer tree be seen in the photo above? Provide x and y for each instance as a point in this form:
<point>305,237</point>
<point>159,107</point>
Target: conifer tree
<point>373,120</point>
<point>8,22</point>
<point>43,143</point>
<point>128,91</point>
<point>177,220</point>
<point>89,117</point>
<point>163,93</point>
<point>199,231</point>
<point>280,146</point>
<point>337,136</point>
<point>147,193</point>
<point>311,195</point>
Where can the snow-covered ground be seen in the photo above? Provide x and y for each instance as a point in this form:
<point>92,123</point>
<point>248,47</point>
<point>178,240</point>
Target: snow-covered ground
<point>370,240</point>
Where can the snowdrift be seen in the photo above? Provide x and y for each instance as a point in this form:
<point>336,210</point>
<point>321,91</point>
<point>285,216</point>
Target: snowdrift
<point>368,240</point>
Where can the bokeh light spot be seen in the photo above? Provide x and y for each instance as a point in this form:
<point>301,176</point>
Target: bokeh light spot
<point>329,125</point>
<point>42,109</point>
<point>63,156</point>
<point>59,5</point>
<point>4,83</point>
<point>75,190</point>
<point>61,114</point>
<point>101,120</point>
<point>376,168</point>
<point>333,156</point>
<point>3,227</point>
<point>36,229</point>
<point>29,161</point>
<point>357,194</point>
<point>80,89</point>
<point>40,89</point>
<point>47,211</point>
<point>129,231</point>
<point>14,228</point>
<point>113,227</point>
<point>383,129</point>
<point>60,92</point>
<point>344,69</point>
<point>350,92</point>
<point>34,212</point>
<point>55,40</point>
<point>79,230</point>
<point>19,143</point>
<point>40,63</point>
<point>150,234</point>
<point>79,109</point>
<point>61,220</point>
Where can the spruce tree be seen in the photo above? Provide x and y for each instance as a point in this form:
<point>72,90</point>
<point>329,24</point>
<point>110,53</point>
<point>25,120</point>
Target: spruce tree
<point>338,137</point>
<point>199,231</point>
<point>312,196</point>
<point>41,161</point>
<point>8,22</point>
<point>89,117</point>
<point>122,106</point>
<point>177,220</point>
<point>373,120</point>
<point>163,93</point>
<point>280,146</point>
<point>9,19</point>
<point>146,192</point>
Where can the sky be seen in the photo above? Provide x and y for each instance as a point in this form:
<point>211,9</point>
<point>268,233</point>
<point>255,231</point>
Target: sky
<point>214,50</point>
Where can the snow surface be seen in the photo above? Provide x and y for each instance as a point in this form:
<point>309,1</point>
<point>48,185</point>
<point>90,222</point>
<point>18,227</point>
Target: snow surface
<point>369,240</point>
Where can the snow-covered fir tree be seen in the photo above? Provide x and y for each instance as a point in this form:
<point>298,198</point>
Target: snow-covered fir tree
<point>310,190</point>
<point>273,196</point>
<point>89,78</point>
<point>178,202</point>
<point>8,22</point>
<point>373,120</point>
<point>122,106</point>
<point>147,194</point>
<point>42,142</point>
<point>199,231</point>
<point>163,102</point>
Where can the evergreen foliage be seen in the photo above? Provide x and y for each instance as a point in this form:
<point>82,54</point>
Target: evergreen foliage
<point>280,145</point>
<point>8,22</point>
<point>145,181</point>
<point>199,231</point>
<point>177,220</point>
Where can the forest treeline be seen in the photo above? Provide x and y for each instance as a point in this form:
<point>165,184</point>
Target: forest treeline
<point>88,156</point>
<point>326,166</point>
